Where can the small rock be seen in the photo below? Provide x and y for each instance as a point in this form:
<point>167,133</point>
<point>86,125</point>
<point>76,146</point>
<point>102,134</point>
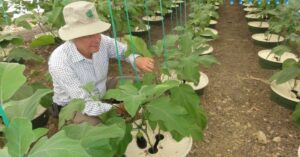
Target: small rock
<point>248,125</point>
<point>237,124</point>
<point>261,137</point>
<point>219,108</point>
<point>276,139</point>
<point>218,155</point>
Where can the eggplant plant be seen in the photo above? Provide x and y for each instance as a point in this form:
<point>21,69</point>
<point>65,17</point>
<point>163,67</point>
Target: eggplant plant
<point>74,140</point>
<point>291,70</point>
<point>199,19</point>
<point>12,51</point>
<point>285,21</point>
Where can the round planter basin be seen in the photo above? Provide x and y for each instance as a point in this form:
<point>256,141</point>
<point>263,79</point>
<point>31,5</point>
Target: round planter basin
<point>138,31</point>
<point>173,6</point>
<point>267,41</point>
<point>213,23</point>
<point>250,9</point>
<point>299,146</point>
<point>271,61</point>
<point>208,51</point>
<point>178,2</point>
<point>247,5</point>
<point>252,17</point>
<point>283,94</point>
<point>258,26</point>
<point>213,30</point>
<point>168,13</point>
<point>167,147</point>
<point>153,19</point>
<point>199,88</point>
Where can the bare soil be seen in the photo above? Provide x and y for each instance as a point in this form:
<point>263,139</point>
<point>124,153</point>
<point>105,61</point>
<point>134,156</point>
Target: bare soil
<point>237,100</point>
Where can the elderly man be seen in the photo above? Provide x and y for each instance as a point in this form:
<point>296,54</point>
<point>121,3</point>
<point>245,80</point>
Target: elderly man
<point>83,58</point>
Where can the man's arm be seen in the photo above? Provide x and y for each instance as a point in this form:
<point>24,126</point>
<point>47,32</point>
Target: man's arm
<point>142,63</point>
<point>66,78</point>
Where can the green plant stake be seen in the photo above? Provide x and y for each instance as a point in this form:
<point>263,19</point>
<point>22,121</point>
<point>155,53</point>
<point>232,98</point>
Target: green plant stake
<point>115,37</point>
<point>148,23</point>
<point>131,42</point>
<point>4,117</point>
<point>164,37</point>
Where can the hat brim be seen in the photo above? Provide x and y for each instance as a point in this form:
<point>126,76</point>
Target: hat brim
<point>68,33</point>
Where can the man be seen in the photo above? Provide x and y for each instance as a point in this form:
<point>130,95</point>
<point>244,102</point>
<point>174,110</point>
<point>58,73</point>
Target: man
<point>83,58</point>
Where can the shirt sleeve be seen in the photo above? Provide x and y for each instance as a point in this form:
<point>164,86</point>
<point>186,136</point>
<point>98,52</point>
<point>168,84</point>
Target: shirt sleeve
<point>67,79</point>
<point>112,53</point>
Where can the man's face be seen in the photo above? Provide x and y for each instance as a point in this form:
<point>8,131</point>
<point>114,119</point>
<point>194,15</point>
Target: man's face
<point>87,45</point>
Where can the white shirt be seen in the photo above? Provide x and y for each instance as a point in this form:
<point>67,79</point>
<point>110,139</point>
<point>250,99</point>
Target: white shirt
<point>70,70</point>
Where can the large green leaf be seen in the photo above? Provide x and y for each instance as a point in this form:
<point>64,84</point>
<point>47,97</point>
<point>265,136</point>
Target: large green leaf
<point>296,115</point>
<point>42,41</point>
<point>206,60</point>
<point>95,140</point>
<point>39,132</point>
<point>11,79</point>
<point>9,38</point>
<point>186,97</point>
<point>23,53</point>
<point>58,145</point>
<point>170,115</point>
<point>4,152</point>
<point>287,74</point>
<point>19,135</point>
<point>129,94</point>
<point>157,90</point>
<point>22,21</point>
<point>26,107</point>
<point>137,45</point>
<point>68,112</point>
<point>280,49</point>
<point>24,92</point>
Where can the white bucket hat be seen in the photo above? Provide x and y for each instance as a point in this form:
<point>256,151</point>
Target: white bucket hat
<point>81,20</point>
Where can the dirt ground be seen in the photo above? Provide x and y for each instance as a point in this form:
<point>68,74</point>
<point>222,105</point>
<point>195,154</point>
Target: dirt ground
<point>237,100</point>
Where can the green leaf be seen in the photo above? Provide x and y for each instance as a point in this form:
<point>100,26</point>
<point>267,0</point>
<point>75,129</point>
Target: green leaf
<point>95,140</point>
<point>68,112</point>
<point>296,115</point>
<point>19,135</point>
<point>186,97</point>
<point>129,94</point>
<point>22,21</point>
<point>4,152</point>
<point>89,87</point>
<point>137,45</point>
<point>26,107</point>
<point>24,92</point>
<point>279,50</point>
<point>39,132</point>
<point>157,90</point>
<point>207,60</point>
<point>170,115</point>
<point>11,79</point>
<point>23,53</point>
<point>286,74</point>
<point>55,17</point>
<point>42,41</point>
<point>8,38</point>
<point>58,145</point>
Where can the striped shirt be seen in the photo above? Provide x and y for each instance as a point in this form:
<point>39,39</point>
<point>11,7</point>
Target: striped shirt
<point>70,70</point>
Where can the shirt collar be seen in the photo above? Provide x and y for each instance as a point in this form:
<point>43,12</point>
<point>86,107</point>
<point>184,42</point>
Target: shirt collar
<point>76,56</point>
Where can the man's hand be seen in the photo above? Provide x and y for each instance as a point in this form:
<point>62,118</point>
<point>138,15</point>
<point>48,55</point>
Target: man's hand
<point>145,64</point>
